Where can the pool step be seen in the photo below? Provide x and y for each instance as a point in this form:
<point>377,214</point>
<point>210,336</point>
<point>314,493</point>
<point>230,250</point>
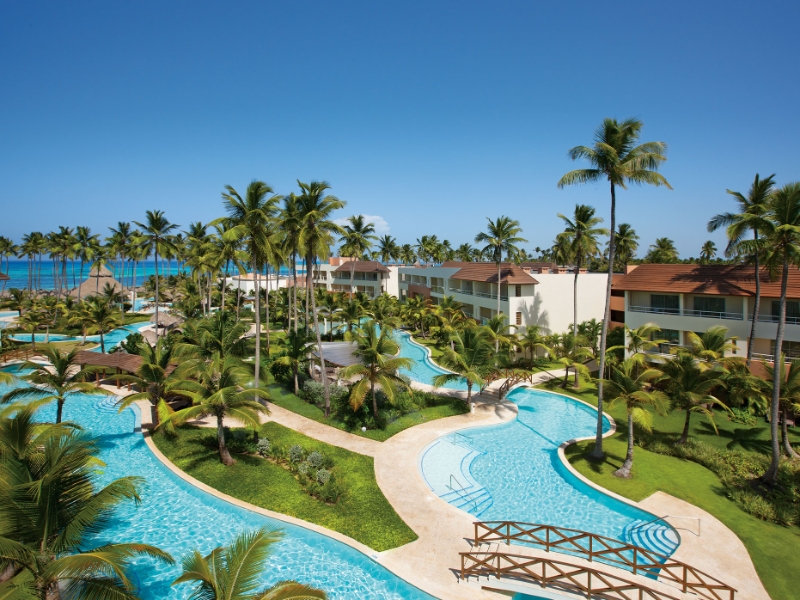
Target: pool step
<point>463,441</point>
<point>108,404</point>
<point>654,535</point>
<point>474,500</point>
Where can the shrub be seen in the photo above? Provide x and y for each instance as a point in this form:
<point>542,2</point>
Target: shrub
<point>282,373</point>
<point>316,460</point>
<point>132,343</point>
<point>263,447</point>
<point>302,468</point>
<point>296,453</point>
<point>314,392</point>
<point>743,416</point>
<point>323,476</point>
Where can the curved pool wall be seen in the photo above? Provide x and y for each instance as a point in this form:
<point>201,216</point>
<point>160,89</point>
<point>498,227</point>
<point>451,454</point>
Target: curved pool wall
<point>424,369</point>
<point>512,472</point>
<point>178,517</point>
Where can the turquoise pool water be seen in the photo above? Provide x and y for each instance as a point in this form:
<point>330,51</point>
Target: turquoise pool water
<point>40,337</point>
<point>111,339</point>
<point>512,472</point>
<point>177,517</point>
<point>424,370</point>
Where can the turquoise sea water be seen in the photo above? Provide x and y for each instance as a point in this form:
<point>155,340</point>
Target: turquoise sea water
<point>178,517</point>
<point>512,471</point>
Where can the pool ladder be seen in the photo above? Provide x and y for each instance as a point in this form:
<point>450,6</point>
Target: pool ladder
<point>476,497</point>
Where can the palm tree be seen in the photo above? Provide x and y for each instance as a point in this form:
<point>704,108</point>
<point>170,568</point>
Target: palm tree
<point>31,321</point>
<point>7,249</point>
<point>407,254</point>
<point>375,348</point>
<point>708,252</point>
<point>662,251</point>
<point>252,219</point>
<point>581,234</point>
<point>501,237</point>
<point>531,340</point>
<point>752,216</point>
<point>295,348</point>
<point>220,388</point>
<point>690,388</point>
<point>627,243</point>
<point>387,249</point>
<point>639,340</point>
<point>219,335</point>
<point>102,316</point>
<point>233,572</point>
<point>156,237</point>
<point>415,309</point>
<point>42,534</point>
<point>789,394</point>
<point>783,239</point>
<point>470,358</point>
<point>17,300</point>
<point>629,387</point>
<point>710,348</point>
<point>615,157</point>
<point>63,378</point>
<point>316,237</point>
<point>356,241</point>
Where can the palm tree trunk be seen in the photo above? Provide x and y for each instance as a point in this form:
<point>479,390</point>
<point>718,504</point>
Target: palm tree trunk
<point>224,453</point>
<point>771,476</point>
<point>754,322</point>
<point>575,307</point>
<point>499,269</point>
<point>102,343</point>
<point>597,452</point>
<point>319,348</point>
<point>685,433</point>
<point>60,410</point>
<point>625,469</point>
<point>155,246</point>
<point>787,446</point>
<point>352,276</point>
<point>374,400</point>
<point>266,296</point>
<point>296,385</point>
<point>258,329</point>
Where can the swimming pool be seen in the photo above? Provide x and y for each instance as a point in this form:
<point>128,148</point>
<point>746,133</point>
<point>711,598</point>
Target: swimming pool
<point>512,472</point>
<point>177,517</point>
<point>110,339</point>
<point>423,369</point>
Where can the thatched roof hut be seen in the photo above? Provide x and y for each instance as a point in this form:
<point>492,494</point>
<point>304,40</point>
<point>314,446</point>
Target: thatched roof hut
<point>98,278</point>
<point>166,320</point>
<point>4,277</point>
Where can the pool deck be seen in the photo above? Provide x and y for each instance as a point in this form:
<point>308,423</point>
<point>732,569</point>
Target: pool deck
<point>432,561</point>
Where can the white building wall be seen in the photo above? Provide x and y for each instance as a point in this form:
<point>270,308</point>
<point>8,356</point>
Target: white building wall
<point>552,306</point>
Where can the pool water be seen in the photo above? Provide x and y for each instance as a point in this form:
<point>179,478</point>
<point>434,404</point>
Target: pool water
<point>178,518</point>
<point>110,339</point>
<point>423,369</point>
<point>512,472</point>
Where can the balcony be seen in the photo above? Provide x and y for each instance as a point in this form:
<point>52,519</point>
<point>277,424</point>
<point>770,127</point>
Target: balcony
<point>706,314</point>
<point>438,289</point>
<point>775,319</point>
<point>491,296</point>
<point>460,291</point>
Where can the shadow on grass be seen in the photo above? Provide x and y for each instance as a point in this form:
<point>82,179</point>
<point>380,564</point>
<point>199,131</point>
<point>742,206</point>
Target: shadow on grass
<point>743,437</point>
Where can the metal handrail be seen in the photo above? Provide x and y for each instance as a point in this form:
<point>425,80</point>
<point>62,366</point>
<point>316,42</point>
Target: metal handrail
<point>775,319</point>
<point>465,495</point>
<point>686,312</point>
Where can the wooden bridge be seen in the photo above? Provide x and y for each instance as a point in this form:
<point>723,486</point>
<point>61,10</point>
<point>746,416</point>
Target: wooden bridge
<point>25,353</point>
<point>590,546</point>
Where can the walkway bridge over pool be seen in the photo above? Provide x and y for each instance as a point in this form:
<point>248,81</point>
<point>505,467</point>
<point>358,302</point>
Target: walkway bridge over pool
<point>581,579</point>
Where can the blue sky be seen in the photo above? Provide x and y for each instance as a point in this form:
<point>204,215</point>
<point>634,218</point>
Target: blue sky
<point>429,115</point>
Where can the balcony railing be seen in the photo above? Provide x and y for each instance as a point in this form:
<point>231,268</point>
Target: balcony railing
<point>460,291</point>
<point>438,289</point>
<point>491,296</point>
<point>775,319</point>
<point>708,314</point>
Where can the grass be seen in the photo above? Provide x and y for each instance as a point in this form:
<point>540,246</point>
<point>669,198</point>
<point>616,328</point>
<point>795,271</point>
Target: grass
<point>443,407</point>
<point>362,513</point>
<point>768,544</point>
<point>436,352</point>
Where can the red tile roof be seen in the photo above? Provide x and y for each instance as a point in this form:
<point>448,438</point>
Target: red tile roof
<point>487,272</point>
<point>361,266</point>
<point>722,280</point>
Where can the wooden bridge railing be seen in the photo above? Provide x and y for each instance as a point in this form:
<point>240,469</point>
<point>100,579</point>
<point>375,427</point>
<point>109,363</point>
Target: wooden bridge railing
<point>556,574</point>
<point>607,550</point>
<point>16,354</point>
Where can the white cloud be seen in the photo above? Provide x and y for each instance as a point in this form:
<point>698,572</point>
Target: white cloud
<point>380,224</point>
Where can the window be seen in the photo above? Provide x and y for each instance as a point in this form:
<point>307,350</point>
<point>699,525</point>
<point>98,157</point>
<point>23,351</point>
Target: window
<point>712,304</point>
<point>618,316</point>
<point>790,349</point>
<point>792,309</point>
<point>518,292</point>
<point>670,335</point>
<point>519,317</point>
<point>663,303</point>
<point>618,293</point>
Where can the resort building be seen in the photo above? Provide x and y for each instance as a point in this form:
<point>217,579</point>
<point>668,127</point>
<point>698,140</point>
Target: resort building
<point>530,294</point>
<point>369,277</point>
<point>685,298</point>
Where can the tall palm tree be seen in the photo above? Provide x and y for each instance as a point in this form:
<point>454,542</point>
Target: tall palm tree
<point>407,254</point>
<point>356,241</point>
<point>581,233</point>
<point>708,252</point>
<point>789,394</point>
<point>662,251</point>
<point>783,239</point>
<point>690,388</point>
<point>471,357</point>
<point>375,350</point>
<point>252,218</point>
<point>317,231</point>
<point>156,236</point>
<point>752,216</point>
<point>63,378</point>
<point>387,248</point>
<point>102,316</point>
<point>628,386</point>
<point>627,243</point>
<point>52,504</point>
<point>220,388</point>
<point>295,348</point>
<point>7,249</point>
<point>501,237</point>
<point>219,335</point>
<point>232,572</point>
<point>616,158</point>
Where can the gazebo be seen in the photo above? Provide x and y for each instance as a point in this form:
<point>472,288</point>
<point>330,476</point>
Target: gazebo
<point>338,355</point>
<point>166,321</point>
<point>98,278</point>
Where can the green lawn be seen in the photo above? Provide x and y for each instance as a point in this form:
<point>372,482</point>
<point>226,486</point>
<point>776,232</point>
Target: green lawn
<point>362,512</point>
<point>436,352</point>
<point>767,543</point>
<point>444,407</point>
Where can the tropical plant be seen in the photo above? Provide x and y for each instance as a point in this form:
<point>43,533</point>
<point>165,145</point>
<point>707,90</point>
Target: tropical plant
<point>218,335</point>
<point>708,252</point>
<point>375,350</point>
<point>294,349</point>
<point>63,378</point>
<point>629,385</point>
<point>627,243</point>
<point>156,237</point>
<point>470,359</point>
<point>662,251</point>
<point>101,316</point>
<point>501,237</point>
<point>616,158</point>
<point>789,396</point>
<point>388,249</point>
<point>233,572</point>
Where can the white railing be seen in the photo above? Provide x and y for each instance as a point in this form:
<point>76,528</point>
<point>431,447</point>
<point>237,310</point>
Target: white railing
<point>491,296</point>
<point>708,314</point>
<point>775,319</point>
<point>438,289</point>
<point>460,291</point>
